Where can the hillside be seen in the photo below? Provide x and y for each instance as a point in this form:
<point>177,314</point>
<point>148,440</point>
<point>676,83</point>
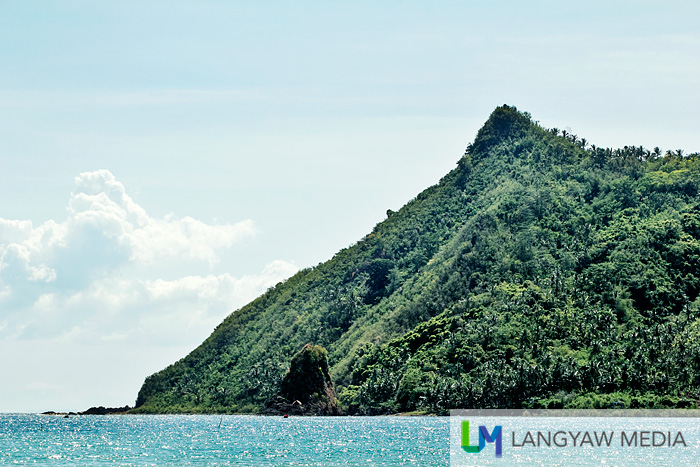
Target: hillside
<point>539,272</point>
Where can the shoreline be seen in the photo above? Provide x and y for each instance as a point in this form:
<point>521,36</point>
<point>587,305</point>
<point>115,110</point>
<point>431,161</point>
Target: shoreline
<point>101,410</point>
<point>121,411</point>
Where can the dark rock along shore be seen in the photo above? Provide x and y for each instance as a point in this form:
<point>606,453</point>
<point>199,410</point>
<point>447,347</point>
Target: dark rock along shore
<point>307,388</point>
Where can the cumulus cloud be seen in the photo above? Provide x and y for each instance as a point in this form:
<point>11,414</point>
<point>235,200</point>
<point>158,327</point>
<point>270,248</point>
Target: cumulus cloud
<point>94,276</point>
<point>101,205</point>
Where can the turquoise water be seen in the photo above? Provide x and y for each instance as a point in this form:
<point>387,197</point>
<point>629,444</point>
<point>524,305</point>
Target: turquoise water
<point>182,440</point>
<point>179,440</point>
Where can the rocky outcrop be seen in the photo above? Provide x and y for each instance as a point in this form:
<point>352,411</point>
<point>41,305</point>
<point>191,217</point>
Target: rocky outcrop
<point>106,410</point>
<point>307,388</point>
<point>93,411</point>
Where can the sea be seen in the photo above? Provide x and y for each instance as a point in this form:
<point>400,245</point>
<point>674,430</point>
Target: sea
<point>213,440</point>
<point>239,440</point>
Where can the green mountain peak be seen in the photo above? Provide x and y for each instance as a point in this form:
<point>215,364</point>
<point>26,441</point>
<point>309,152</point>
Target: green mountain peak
<point>505,124</point>
<point>540,272</point>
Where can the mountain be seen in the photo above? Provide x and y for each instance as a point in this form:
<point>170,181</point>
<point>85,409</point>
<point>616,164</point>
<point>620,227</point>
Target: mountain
<point>540,272</point>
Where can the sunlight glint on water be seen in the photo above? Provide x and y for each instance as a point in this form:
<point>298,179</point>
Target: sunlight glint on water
<point>240,440</point>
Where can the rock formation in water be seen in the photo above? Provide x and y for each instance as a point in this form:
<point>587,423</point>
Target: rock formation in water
<point>307,388</point>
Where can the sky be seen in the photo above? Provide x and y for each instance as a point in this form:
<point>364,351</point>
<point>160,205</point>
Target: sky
<point>162,163</point>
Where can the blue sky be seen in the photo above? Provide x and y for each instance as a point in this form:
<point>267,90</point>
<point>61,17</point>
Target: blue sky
<point>165,162</point>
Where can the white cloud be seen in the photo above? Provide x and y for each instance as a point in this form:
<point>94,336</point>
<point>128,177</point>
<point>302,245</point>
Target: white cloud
<point>94,276</point>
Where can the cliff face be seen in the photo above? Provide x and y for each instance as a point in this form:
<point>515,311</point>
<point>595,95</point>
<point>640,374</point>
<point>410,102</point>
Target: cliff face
<point>307,388</point>
<point>540,272</point>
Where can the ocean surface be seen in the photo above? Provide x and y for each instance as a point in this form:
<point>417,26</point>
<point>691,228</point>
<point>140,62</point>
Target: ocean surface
<point>212,440</point>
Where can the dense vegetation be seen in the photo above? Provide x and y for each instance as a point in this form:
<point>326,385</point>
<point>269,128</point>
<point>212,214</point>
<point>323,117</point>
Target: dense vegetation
<point>540,272</point>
